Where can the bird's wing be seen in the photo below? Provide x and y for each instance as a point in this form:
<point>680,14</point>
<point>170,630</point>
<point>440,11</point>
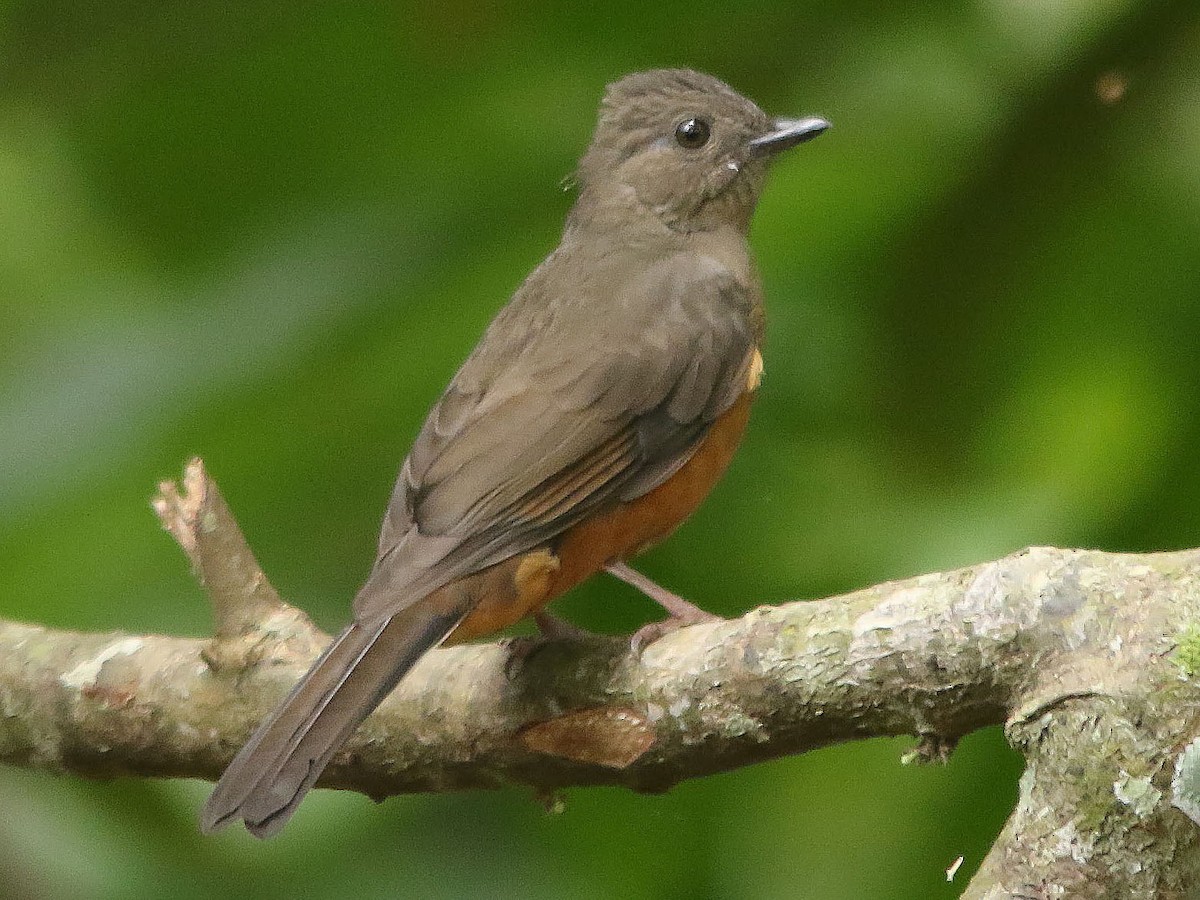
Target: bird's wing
<point>533,435</point>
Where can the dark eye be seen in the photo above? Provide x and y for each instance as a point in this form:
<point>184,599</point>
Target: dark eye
<point>692,133</point>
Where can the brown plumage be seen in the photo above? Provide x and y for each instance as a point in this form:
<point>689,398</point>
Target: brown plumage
<point>596,413</point>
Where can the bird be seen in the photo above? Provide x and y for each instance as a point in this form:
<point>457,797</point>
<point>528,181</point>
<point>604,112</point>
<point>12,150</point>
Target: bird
<point>600,407</point>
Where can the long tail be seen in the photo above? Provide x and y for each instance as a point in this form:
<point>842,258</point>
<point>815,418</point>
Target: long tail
<point>280,763</point>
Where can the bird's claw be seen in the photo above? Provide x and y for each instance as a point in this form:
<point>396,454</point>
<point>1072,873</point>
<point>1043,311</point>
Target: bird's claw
<point>652,631</point>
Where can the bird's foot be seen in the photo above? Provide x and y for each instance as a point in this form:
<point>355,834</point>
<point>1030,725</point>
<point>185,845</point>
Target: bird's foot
<point>682,612</point>
<point>551,628</point>
<point>652,631</point>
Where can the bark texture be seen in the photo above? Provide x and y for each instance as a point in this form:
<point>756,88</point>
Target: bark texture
<point>1090,660</point>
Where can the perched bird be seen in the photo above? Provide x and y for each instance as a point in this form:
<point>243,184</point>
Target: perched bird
<point>598,410</point>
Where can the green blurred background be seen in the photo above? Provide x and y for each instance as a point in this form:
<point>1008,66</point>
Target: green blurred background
<point>268,234</point>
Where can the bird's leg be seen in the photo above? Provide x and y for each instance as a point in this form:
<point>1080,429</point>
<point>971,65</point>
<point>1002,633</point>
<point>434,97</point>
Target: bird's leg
<point>676,606</point>
<point>555,629</point>
<point>681,612</point>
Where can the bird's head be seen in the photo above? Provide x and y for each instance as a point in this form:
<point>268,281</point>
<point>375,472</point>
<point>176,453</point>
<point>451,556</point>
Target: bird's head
<point>684,147</point>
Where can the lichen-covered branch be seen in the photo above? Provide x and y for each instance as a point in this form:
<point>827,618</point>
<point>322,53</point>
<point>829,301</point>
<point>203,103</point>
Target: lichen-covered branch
<point>1091,661</point>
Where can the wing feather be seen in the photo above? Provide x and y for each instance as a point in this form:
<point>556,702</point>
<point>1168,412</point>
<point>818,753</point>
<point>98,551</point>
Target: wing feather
<point>526,443</point>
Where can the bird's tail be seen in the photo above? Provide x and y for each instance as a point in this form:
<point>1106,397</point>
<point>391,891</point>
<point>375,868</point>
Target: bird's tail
<point>280,763</point>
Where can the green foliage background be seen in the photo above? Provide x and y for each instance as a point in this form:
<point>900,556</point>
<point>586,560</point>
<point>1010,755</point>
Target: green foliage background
<point>268,234</point>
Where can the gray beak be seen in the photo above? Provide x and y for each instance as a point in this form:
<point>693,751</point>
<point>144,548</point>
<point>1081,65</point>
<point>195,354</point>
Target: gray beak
<point>787,133</point>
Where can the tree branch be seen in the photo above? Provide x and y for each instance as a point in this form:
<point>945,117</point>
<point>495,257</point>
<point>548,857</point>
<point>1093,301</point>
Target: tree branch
<point>1090,660</point>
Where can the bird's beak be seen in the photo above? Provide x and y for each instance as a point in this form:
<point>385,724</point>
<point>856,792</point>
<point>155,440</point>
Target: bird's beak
<point>787,133</point>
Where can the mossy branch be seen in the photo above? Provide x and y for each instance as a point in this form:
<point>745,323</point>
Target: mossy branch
<point>1088,659</point>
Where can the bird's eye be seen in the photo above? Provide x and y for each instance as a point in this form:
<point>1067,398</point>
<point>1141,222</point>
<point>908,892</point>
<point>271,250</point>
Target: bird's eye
<point>692,133</point>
